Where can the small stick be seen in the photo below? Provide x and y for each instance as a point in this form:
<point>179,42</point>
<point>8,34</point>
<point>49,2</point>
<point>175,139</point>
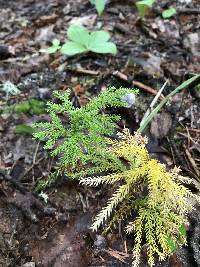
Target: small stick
<point>8,178</point>
<point>146,88</point>
<point>154,102</point>
<point>190,129</point>
<point>192,161</point>
<point>31,167</point>
<point>84,71</point>
<point>164,101</point>
<point>188,10</point>
<point>35,154</point>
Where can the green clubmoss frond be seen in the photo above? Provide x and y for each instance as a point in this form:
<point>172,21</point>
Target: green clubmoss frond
<point>78,136</point>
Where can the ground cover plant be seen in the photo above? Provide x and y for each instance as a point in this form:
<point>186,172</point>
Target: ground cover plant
<point>99,5</point>
<point>116,185</point>
<point>154,195</point>
<point>80,137</point>
<point>143,6</point>
<point>81,41</point>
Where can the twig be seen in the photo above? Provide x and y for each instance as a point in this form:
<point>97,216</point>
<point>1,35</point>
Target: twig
<point>191,129</point>
<point>140,85</point>
<point>35,154</point>
<point>145,87</point>
<point>8,178</point>
<point>31,167</point>
<point>121,256</point>
<point>84,71</point>
<point>153,102</point>
<point>164,101</point>
<point>191,140</point>
<point>188,10</point>
<point>192,161</point>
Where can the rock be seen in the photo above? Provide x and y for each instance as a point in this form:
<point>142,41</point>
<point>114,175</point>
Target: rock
<point>192,42</point>
<point>100,242</point>
<point>29,264</point>
<point>130,99</point>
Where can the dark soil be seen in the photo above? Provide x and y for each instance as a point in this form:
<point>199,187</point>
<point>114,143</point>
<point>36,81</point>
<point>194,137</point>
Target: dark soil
<point>150,51</point>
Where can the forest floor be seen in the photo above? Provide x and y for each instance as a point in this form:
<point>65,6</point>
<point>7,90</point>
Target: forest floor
<point>150,51</point>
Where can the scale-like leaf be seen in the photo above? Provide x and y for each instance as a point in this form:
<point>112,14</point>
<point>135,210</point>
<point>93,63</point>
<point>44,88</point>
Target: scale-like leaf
<point>72,48</point>
<point>182,230</point>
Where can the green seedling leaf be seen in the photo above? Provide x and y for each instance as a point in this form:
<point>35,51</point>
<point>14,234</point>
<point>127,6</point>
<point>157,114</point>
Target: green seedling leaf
<point>143,6</point>
<point>56,42</point>
<point>98,37</point>
<point>37,107</point>
<point>33,106</point>
<point>99,43</point>
<point>81,41</point>
<point>182,230</point>
<point>78,34</point>
<point>99,5</point>
<point>24,129</point>
<point>22,107</point>
<point>168,13</point>
<point>72,48</point>
<point>104,48</point>
<point>171,244</point>
<point>52,49</point>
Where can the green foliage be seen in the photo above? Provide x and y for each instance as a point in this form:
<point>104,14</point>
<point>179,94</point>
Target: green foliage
<point>198,87</point>
<point>82,41</point>
<point>78,135</point>
<point>32,106</point>
<point>24,129</point>
<point>99,5</point>
<point>54,48</point>
<point>143,6</point>
<point>168,13</point>
<point>149,199</point>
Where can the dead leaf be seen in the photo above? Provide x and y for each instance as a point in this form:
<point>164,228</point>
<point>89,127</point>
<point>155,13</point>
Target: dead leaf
<point>192,42</point>
<point>87,21</point>
<point>161,125</point>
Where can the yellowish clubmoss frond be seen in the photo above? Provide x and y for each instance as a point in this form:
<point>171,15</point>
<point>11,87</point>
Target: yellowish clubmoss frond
<point>150,196</point>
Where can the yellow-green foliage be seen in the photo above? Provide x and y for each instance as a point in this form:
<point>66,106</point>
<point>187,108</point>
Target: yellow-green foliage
<point>151,199</point>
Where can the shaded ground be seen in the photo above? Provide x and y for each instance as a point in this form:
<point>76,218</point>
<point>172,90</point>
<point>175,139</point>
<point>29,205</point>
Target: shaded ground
<point>33,233</point>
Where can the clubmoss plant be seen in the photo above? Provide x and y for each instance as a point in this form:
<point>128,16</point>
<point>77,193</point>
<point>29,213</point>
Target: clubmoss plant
<point>150,199</point>
<point>78,135</point>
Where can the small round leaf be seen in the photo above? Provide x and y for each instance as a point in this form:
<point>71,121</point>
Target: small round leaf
<point>72,48</point>
<point>104,48</point>
<point>78,34</point>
